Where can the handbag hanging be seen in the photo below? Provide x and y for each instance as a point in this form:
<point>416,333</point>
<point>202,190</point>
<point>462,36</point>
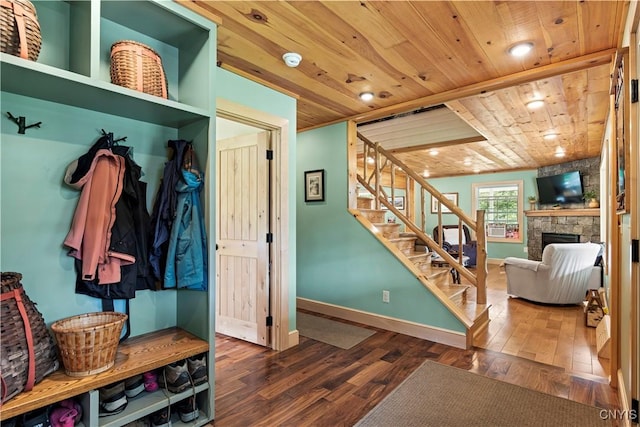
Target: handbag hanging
<point>28,350</point>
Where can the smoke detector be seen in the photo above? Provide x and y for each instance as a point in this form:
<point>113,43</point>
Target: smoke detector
<point>292,59</point>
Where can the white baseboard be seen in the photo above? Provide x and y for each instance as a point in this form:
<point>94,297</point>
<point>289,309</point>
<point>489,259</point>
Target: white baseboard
<point>443,336</point>
<point>294,339</point>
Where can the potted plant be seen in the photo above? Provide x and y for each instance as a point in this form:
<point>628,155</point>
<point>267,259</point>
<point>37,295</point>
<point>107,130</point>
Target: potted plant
<point>532,202</point>
<point>591,196</point>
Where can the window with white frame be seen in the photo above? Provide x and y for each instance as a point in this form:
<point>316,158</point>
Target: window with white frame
<point>502,203</point>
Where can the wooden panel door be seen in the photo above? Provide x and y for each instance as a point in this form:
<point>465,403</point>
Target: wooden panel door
<point>242,258</point>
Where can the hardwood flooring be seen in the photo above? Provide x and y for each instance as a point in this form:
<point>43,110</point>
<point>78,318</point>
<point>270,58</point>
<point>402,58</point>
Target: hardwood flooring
<point>551,334</point>
<point>316,384</point>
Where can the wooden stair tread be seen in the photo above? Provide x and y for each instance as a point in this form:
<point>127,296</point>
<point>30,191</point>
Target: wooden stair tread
<point>474,310</point>
<point>417,256</point>
<point>453,291</point>
<point>402,239</point>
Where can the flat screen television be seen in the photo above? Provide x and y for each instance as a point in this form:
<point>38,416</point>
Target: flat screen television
<point>560,189</point>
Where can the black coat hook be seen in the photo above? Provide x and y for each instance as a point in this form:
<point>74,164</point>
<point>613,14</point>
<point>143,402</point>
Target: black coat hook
<point>21,122</point>
<point>112,141</point>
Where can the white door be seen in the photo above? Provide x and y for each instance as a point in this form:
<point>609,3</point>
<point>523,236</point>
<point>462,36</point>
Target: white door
<point>242,257</point>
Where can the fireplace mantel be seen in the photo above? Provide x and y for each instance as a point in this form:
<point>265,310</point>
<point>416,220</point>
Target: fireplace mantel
<point>564,212</point>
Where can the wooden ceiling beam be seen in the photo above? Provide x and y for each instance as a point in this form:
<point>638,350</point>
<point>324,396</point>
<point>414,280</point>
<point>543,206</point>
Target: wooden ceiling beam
<point>545,71</point>
<point>469,140</point>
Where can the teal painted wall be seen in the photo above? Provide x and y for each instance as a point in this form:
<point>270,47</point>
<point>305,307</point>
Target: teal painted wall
<point>462,186</point>
<point>37,207</point>
<point>339,261</point>
<point>237,89</point>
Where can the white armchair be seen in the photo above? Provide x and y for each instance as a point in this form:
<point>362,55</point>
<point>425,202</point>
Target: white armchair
<point>563,276</point>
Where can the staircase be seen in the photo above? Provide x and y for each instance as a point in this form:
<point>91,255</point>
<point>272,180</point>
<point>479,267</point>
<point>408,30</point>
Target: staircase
<point>421,259</point>
<point>467,301</point>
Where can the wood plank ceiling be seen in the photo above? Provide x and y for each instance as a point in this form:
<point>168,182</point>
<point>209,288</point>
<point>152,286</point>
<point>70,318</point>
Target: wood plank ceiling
<point>415,54</point>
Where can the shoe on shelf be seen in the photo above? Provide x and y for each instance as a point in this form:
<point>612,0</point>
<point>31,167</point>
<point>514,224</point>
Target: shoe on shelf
<point>175,377</point>
<point>133,386</point>
<point>161,418</point>
<point>113,399</point>
<point>197,366</point>
<point>36,418</point>
<point>150,381</point>
<point>188,409</point>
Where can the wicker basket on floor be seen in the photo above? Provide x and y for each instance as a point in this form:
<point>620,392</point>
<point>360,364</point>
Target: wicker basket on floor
<point>88,342</point>
<point>19,29</point>
<point>137,66</point>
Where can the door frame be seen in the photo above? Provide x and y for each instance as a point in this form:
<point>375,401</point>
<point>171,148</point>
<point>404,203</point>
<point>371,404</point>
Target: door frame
<point>279,209</point>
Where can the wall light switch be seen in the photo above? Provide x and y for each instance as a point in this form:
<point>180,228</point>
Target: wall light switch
<point>385,296</point>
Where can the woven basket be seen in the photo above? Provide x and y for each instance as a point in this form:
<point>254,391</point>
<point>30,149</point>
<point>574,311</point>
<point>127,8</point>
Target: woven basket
<point>137,66</point>
<point>20,30</point>
<point>88,342</point>
<point>28,351</point>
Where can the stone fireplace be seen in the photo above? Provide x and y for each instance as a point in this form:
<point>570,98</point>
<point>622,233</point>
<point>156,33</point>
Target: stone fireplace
<point>582,224</point>
<point>572,219</point>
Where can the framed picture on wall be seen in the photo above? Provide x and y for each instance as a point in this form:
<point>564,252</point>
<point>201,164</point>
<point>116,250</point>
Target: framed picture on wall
<point>397,201</point>
<point>314,186</point>
<point>434,202</point>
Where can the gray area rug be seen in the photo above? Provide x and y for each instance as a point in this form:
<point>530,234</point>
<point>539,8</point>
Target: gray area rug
<point>331,332</point>
<point>440,395</point>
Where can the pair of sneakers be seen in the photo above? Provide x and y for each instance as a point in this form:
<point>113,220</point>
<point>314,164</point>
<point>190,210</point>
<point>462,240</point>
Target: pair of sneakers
<point>113,399</point>
<point>178,376</point>
<point>187,409</point>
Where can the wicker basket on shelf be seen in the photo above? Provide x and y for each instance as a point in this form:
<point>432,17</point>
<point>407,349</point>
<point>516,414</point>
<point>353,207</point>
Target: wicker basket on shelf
<point>19,29</point>
<point>88,342</point>
<point>137,66</point>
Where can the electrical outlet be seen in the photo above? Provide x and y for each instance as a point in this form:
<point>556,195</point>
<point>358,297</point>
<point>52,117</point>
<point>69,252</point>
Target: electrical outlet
<point>385,296</point>
<point>525,249</point>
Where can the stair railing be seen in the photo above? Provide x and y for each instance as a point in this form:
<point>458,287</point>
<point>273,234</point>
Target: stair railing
<point>376,161</point>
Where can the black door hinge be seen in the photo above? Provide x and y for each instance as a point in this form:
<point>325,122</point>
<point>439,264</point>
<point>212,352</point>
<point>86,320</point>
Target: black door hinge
<point>635,243</point>
<point>269,154</point>
<point>269,320</point>
<point>269,237</point>
<point>634,91</point>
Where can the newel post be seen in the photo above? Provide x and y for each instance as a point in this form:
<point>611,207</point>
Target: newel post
<point>481,259</point>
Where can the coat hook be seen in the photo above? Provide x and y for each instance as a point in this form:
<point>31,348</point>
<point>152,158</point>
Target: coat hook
<point>21,122</point>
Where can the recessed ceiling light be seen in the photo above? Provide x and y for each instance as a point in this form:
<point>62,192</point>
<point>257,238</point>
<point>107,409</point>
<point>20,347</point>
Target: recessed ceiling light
<point>532,105</point>
<point>370,160</point>
<point>366,96</point>
<point>425,173</point>
<point>559,152</point>
<point>550,136</point>
<point>467,162</point>
<point>433,152</point>
<point>476,170</point>
<point>521,49</point>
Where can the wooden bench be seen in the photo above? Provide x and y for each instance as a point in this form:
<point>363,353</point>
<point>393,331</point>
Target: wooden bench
<point>135,356</point>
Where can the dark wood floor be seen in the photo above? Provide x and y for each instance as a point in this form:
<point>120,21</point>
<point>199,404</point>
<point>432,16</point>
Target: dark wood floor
<point>316,384</point>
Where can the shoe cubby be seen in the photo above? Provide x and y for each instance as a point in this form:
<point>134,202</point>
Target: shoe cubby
<point>143,405</point>
<point>135,356</point>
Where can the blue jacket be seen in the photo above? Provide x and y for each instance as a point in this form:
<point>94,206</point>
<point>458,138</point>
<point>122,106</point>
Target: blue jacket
<point>164,208</point>
<point>187,253</point>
